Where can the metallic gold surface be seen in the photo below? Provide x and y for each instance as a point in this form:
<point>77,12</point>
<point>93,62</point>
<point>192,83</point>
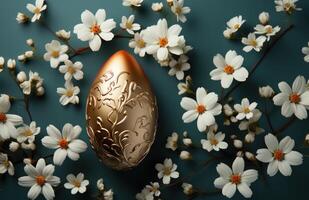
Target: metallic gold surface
<point>121,113</point>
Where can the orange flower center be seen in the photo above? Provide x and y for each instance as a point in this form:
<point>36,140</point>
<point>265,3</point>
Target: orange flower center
<point>95,29</point>
<point>229,69</point>
<point>63,143</point>
<point>269,29</point>
<point>163,42</point>
<point>40,180</point>
<point>278,155</point>
<point>3,118</point>
<point>55,54</point>
<point>201,109</point>
<point>214,141</point>
<point>236,179</point>
<point>294,98</point>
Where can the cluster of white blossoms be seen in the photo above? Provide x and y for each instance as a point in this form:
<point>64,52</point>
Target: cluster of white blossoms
<point>287,6</point>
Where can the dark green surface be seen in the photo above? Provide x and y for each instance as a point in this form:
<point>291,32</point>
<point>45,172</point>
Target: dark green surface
<point>204,32</point>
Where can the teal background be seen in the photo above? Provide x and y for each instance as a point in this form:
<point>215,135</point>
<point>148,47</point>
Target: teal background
<point>204,32</point>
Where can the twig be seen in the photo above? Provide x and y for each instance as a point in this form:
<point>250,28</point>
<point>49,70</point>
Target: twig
<point>285,125</point>
<point>257,64</point>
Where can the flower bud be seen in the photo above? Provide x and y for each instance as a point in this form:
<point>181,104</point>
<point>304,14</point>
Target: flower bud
<point>22,18</point>
<point>29,54</point>
<point>169,2</point>
<point>2,61</point>
<point>228,33</point>
<point>185,155</point>
<point>13,146</point>
<point>187,141</point>
<point>249,155</point>
<point>30,146</point>
<point>237,144</point>
<point>264,18</point>
<point>240,154</point>
<point>40,91</point>
<point>30,42</point>
<point>27,161</point>
<point>21,77</point>
<point>307,139</point>
<point>63,35</point>
<point>187,188</point>
<point>21,58</point>
<point>250,137</point>
<point>11,64</point>
<point>100,184</point>
<point>266,92</point>
<point>157,7</point>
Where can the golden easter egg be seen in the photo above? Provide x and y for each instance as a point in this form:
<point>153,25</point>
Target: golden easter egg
<point>121,113</point>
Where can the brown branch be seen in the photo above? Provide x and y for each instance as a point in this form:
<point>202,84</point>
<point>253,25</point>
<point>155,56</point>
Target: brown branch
<point>285,125</point>
<point>257,64</point>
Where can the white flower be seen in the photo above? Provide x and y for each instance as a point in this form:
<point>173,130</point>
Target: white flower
<point>2,61</point>
<point>305,51</point>
<point>157,7</point>
<point>214,141</point>
<point>56,53</point>
<point>11,63</point>
<point>136,3</point>
<point>187,188</point>
<point>70,70</point>
<point>63,34</point>
<point>172,142</point>
<point>264,18</point>
<point>154,188</point>
<point>34,81</point>
<point>238,144</point>
<point>245,109</point>
<point>204,108</point>
<point>167,170</point>
<point>30,42</point>
<point>129,25</point>
<point>138,44</point>
<point>6,165</point>
<point>27,133</point>
<point>21,18</point>
<point>227,33</point>
<point>7,121</point>
<point>145,194</point>
<point>286,5</point>
<point>185,155</point>
<point>235,23</point>
<point>279,155</point>
<point>268,30</point>
<point>76,183</point>
<point>179,66</point>
<point>230,179</point>
<point>293,100</point>
<point>40,179</point>
<point>266,91</point>
<point>252,125</point>
<point>108,195</point>
<point>14,146</point>
<point>100,184</point>
<point>253,43</point>
<point>162,40</point>
<point>95,28</point>
<point>184,87</point>
<point>68,94</point>
<point>36,9</point>
<point>179,10</point>
<point>66,143</point>
<point>229,68</point>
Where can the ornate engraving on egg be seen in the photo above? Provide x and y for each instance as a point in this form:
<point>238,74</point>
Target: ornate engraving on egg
<point>121,113</point>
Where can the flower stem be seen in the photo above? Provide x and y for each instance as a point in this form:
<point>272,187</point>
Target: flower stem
<point>257,64</point>
<point>285,125</point>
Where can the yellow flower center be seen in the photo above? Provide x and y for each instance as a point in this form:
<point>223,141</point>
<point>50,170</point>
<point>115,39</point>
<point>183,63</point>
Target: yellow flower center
<point>228,69</point>
<point>141,43</point>
<point>76,183</point>
<point>55,54</point>
<point>167,171</point>
<point>71,70</point>
<point>214,141</point>
<point>28,132</point>
<point>269,29</point>
<point>37,10</point>
<point>247,110</point>
<point>129,25</point>
<point>236,26</point>
<point>69,93</point>
<point>253,43</point>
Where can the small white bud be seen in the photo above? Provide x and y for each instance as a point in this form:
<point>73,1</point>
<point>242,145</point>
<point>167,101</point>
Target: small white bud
<point>11,64</point>
<point>100,184</point>
<point>40,91</point>
<point>2,61</point>
<point>185,155</point>
<point>27,161</point>
<point>30,146</point>
<point>22,18</point>
<point>187,188</point>
<point>249,155</point>
<point>250,137</point>
<point>14,146</point>
<point>237,144</point>
<point>266,92</point>
<point>64,35</point>
<point>233,137</point>
<point>29,54</point>
<point>21,77</point>
<point>157,7</point>
<point>307,139</point>
<point>30,42</point>
<point>264,18</point>
<point>187,141</point>
<point>240,154</point>
<point>169,2</point>
<point>228,33</point>
<point>21,58</point>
